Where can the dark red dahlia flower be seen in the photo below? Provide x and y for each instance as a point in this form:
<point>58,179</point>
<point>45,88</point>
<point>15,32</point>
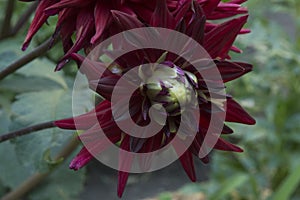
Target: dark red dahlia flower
<point>175,87</point>
<point>93,21</point>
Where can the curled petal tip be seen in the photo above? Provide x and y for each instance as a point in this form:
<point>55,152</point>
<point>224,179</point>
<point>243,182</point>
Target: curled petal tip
<point>61,64</point>
<point>94,39</point>
<point>25,46</point>
<point>73,167</point>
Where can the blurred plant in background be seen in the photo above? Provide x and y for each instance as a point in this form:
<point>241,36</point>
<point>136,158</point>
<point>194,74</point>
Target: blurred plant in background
<point>270,166</point>
<point>34,157</point>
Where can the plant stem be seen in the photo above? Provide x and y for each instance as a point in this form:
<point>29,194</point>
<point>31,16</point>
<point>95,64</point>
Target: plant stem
<point>23,19</point>
<point>6,26</point>
<point>37,178</point>
<point>40,50</point>
<point>26,131</point>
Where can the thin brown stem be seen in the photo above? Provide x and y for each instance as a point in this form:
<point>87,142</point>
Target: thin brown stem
<point>33,181</point>
<point>6,26</point>
<point>26,131</point>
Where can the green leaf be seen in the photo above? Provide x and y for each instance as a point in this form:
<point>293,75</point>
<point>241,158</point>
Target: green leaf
<point>36,75</point>
<point>4,121</point>
<point>20,84</point>
<point>33,108</point>
<point>288,186</point>
<point>43,68</point>
<point>229,185</point>
<point>12,173</point>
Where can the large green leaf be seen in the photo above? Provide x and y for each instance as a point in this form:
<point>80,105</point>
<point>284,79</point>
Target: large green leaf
<point>12,173</point>
<point>19,84</point>
<point>43,68</point>
<point>36,107</point>
<point>4,121</point>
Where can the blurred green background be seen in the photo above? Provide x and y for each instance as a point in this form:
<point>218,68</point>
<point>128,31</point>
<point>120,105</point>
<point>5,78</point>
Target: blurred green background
<point>268,169</point>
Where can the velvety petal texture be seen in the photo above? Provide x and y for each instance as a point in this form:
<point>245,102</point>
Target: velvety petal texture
<point>93,21</point>
<point>214,24</point>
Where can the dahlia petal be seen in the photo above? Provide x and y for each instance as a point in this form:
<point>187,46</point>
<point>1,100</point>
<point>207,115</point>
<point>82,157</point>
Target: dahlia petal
<point>97,142</point>
<point>87,120</point>
<point>220,39</point>
<point>223,13</point>
<point>66,26</point>
<point>182,10</point>
<point>144,12</point>
<point>235,113</point>
<point>122,181</point>
<point>231,70</point>
<point>125,162</point>
<point>237,1</point>
<point>39,19</point>
<point>162,16</point>
<point>102,17</point>
<point>84,28</point>
<point>66,124</point>
<point>136,144</point>
<point>226,146</point>
<point>57,7</point>
<point>227,130</point>
<point>197,145</point>
<point>209,6</point>
<point>205,160</point>
<point>126,21</point>
<point>245,31</point>
<point>196,29</point>
<point>82,159</point>
<point>235,49</point>
<point>152,144</point>
<point>91,69</point>
<point>187,163</point>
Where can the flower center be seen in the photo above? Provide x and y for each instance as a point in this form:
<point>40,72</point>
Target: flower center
<point>169,86</point>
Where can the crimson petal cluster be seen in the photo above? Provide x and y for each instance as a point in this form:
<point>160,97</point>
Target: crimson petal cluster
<point>95,20</point>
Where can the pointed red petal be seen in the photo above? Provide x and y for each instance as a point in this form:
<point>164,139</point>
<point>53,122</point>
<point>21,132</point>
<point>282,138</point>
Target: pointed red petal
<point>161,16</point>
<point>188,164</point>
<point>102,18</point>
<point>85,121</point>
<point>125,21</point>
<point>219,40</point>
<point>125,162</point>
<point>232,70</point>
<point>39,19</point>
<point>226,146</point>
<point>85,29</point>
<point>82,158</point>
<point>235,113</point>
<point>122,180</point>
<point>57,7</point>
